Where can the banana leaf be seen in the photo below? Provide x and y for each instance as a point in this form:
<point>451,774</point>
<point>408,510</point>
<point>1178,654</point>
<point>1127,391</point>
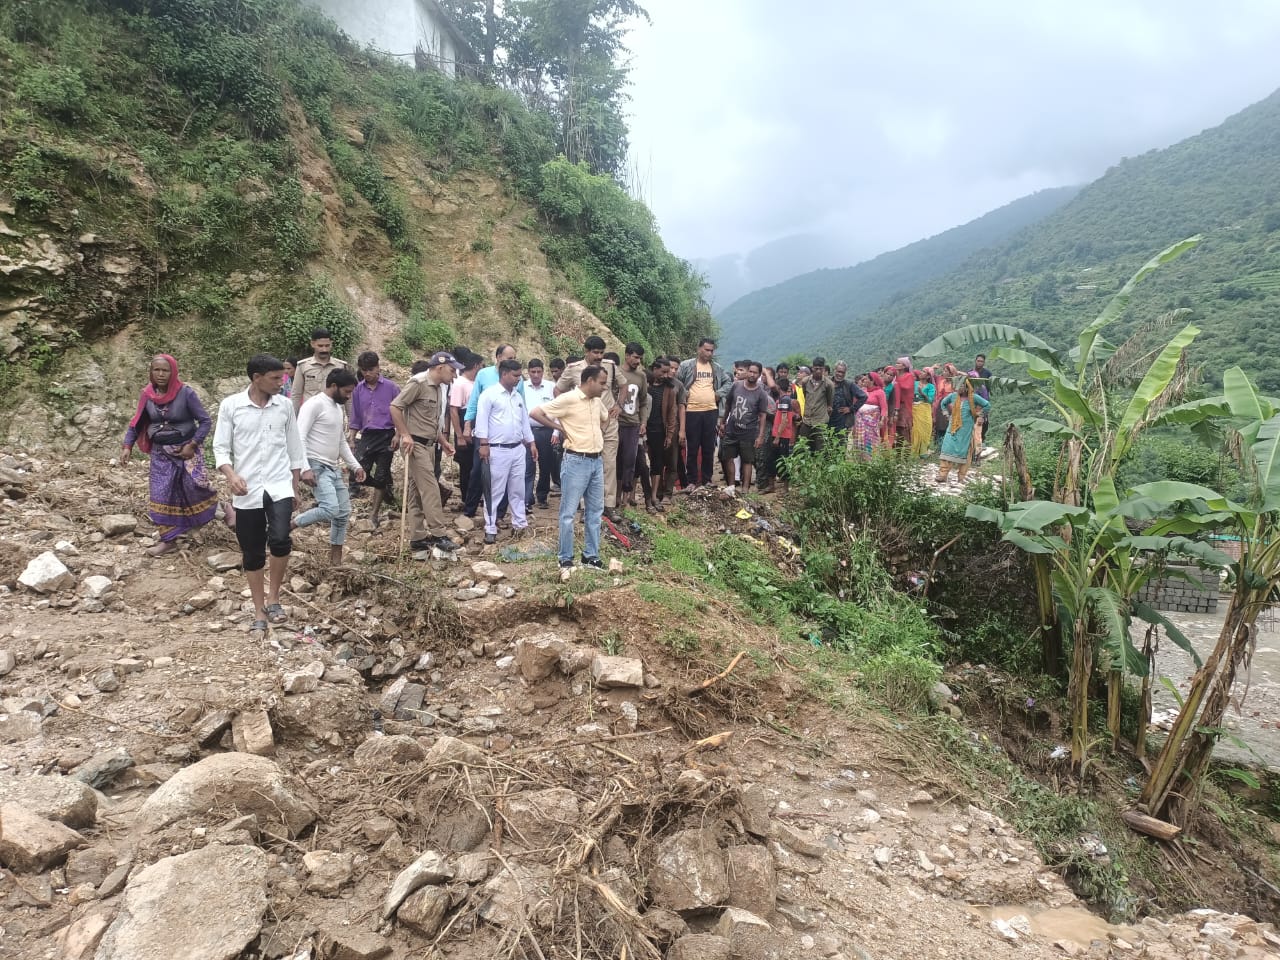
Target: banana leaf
<point>1183,547</point>
<point>1150,614</point>
<point>1113,622</point>
<point>1154,383</point>
<point>1148,500</point>
<point>1266,458</point>
<point>980,334</point>
<point>1041,425</point>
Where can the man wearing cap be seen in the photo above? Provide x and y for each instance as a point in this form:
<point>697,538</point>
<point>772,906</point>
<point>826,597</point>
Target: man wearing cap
<point>502,429</point>
<point>582,418</point>
<point>593,356</point>
<point>418,415</point>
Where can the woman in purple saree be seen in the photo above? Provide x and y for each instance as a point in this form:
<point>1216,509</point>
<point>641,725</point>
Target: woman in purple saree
<point>171,424</point>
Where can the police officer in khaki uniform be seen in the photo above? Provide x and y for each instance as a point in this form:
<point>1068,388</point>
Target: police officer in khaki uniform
<point>593,349</point>
<point>313,372</point>
<point>418,415</point>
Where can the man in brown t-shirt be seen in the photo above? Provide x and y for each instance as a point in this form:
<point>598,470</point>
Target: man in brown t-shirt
<point>593,350</point>
<point>419,419</point>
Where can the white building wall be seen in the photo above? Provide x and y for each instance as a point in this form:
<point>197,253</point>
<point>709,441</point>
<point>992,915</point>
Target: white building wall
<point>435,41</point>
<point>389,26</point>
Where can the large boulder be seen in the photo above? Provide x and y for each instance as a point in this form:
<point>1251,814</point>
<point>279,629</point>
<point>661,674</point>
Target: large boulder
<point>379,752</point>
<point>227,785</point>
<point>611,672</point>
<point>539,655</point>
<point>30,844</point>
<point>428,869</point>
<point>541,818</point>
<point>203,905</point>
<point>54,798</point>
<point>699,946</point>
<point>689,872</point>
<point>753,880</point>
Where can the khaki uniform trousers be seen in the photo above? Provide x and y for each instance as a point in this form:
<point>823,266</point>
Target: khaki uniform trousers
<point>610,456</point>
<point>426,514</point>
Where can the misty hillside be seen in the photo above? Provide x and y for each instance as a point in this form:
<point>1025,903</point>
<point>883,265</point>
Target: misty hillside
<point>734,275</point>
<point>809,310</point>
<point>1055,276</point>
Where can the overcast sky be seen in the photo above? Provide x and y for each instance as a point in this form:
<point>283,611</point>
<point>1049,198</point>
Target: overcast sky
<point>891,121</point>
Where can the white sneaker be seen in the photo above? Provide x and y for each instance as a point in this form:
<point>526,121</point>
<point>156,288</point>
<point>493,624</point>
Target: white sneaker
<point>729,491</point>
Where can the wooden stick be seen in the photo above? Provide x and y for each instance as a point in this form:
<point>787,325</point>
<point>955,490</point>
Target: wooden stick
<point>404,502</point>
<point>1150,825</point>
<point>709,743</point>
<point>700,688</point>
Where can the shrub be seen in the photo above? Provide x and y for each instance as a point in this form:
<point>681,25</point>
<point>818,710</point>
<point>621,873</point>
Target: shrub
<point>320,308</point>
<point>467,296</point>
<point>56,91</point>
<point>398,352</point>
<point>293,223</point>
<point>429,333</point>
<point>407,285</point>
<point>900,679</point>
<point>522,307</point>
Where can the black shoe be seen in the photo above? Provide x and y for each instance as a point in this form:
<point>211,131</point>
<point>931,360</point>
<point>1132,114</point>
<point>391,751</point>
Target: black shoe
<point>444,543</point>
<point>417,545</point>
<point>566,564</point>
<point>543,504</point>
<point>612,514</point>
<point>593,562</point>
<point>490,538</point>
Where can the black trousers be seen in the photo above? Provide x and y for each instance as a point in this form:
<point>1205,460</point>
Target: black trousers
<point>548,462</point>
<point>261,528</point>
<point>700,427</point>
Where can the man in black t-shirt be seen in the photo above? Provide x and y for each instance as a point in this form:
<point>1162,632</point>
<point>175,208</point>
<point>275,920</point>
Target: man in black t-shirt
<point>743,421</point>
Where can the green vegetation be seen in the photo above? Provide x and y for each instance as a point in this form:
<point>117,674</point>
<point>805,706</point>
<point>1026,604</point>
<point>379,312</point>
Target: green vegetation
<point>429,333</point>
<point>810,310</point>
<point>1222,183</point>
<point>178,128</point>
<point>317,306</point>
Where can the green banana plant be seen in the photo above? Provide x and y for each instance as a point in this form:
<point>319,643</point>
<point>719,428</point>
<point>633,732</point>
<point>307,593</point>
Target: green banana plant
<point>1248,424</point>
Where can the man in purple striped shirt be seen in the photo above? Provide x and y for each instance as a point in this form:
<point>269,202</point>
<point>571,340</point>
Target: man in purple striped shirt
<point>372,432</point>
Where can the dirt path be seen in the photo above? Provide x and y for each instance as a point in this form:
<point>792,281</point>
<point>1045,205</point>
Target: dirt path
<point>562,789</point>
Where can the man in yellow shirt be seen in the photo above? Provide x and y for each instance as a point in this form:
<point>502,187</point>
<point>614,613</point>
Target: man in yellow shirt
<point>706,382</point>
<point>593,356</point>
<point>582,419</point>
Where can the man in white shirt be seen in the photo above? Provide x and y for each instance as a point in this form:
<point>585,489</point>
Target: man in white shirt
<point>257,447</point>
<point>501,430</point>
<point>321,427</point>
<point>538,391</point>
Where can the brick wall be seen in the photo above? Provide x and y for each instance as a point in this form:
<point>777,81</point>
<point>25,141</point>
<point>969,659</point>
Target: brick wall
<point>1177,595</point>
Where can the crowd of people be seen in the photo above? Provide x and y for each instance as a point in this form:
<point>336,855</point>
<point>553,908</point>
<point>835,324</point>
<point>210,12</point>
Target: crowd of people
<point>590,429</point>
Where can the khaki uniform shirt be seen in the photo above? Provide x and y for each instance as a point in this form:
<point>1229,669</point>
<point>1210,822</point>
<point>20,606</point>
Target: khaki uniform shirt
<point>420,403</point>
<point>309,378</point>
<point>572,377</point>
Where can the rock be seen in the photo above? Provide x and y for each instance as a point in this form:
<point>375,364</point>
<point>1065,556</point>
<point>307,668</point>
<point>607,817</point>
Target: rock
<point>754,805</point>
<point>428,869</point>
<point>575,659</point>
<point>464,523</point>
<point>664,926</point>
<point>630,716</point>
<point>117,524</point>
<point>301,681</point>
<point>750,938</point>
<point>378,830</point>
<point>610,672</point>
<point>105,680</point>
<point>228,784</point>
<point>472,593</point>
<point>538,655</point>
<point>101,769</point>
<point>542,818</point>
<point>251,733</point>
<point>378,752</point>
<point>940,695</point>
<point>451,749</point>
<point>211,727</point>
<point>689,872</point>
<point>484,570</point>
<point>352,945</point>
<point>97,586</point>
<point>45,574</point>
<point>89,866</point>
<point>222,562</point>
<point>411,698</point>
<point>516,894</point>
<point>114,881</point>
<point>866,819</point>
<point>798,841</point>
<point>424,910</point>
<point>391,696</point>
<point>471,868</point>
<point>81,938</point>
<point>327,871</point>
<point>53,798</point>
<point>7,662</point>
<point>202,600</point>
<point>699,946</point>
<point>17,727</point>
<point>31,844</point>
<point>204,905</point>
<point>753,881</point>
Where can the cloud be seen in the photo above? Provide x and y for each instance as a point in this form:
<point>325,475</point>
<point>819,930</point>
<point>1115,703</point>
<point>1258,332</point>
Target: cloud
<point>886,122</point>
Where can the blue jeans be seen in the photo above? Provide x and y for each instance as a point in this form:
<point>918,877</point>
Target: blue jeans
<point>580,478</point>
<point>333,503</point>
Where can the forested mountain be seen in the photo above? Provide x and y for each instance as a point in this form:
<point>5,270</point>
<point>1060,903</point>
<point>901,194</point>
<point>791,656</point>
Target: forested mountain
<point>1223,183</point>
<point>807,310</point>
<point>734,275</point>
